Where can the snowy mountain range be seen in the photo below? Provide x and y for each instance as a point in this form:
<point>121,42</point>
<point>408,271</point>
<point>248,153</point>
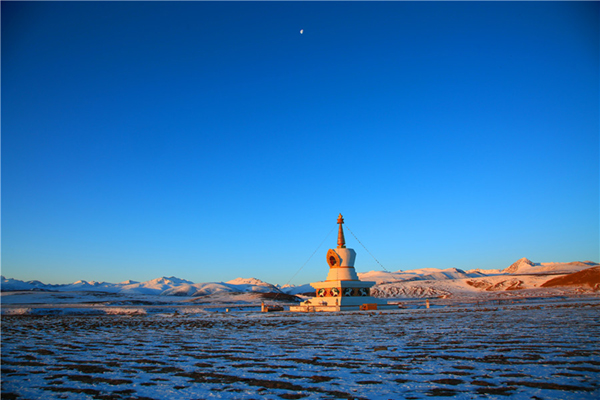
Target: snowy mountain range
<point>521,277</point>
<point>424,274</point>
<point>170,286</point>
<point>426,282</point>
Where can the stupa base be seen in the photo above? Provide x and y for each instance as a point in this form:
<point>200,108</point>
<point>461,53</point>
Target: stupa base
<point>334,308</point>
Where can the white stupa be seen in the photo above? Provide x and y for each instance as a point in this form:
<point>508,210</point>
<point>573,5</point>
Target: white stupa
<point>342,290</point>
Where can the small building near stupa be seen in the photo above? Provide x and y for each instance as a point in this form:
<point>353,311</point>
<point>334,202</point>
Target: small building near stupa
<point>342,290</point>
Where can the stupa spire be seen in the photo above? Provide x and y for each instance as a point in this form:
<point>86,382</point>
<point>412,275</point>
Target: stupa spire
<point>341,240</point>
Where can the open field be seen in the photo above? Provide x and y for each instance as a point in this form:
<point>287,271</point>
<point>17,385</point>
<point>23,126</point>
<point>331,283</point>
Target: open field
<point>525,351</point>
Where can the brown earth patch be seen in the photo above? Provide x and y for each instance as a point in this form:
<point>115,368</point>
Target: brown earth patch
<point>91,392</point>
<point>459,373</point>
<point>515,375</point>
<point>86,369</point>
<point>167,370</point>
<point>203,365</point>
<point>25,363</point>
<point>292,376</point>
<point>552,386</point>
<point>441,392</point>
<point>200,377</point>
<point>502,391</point>
<point>588,277</point>
<point>326,364</point>
<point>262,371</point>
<point>577,353</point>
<point>496,359</point>
<point>148,368</point>
<point>293,395</point>
<point>482,383</point>
<point>93,380</point>
<point>317,378</point>
<point>567,374</point>
<point>448,381</point>
<point>8,371</point>
<point>147,361</point>
<point>584,369</point>
<point>124,391</point>
<point>43,352</point>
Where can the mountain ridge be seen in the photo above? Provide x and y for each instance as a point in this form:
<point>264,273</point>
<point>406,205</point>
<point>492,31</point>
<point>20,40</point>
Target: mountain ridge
<point>412,283</point>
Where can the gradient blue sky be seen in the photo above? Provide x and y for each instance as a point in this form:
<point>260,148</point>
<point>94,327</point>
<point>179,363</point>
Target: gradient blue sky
<point>211,140</point>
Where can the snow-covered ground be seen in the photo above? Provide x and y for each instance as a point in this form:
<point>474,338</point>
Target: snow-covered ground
<point>545,350</point>
<point>485,336</point>
<point>99,303</point>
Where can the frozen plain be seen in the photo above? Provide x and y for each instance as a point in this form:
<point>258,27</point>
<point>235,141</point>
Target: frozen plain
<point>541,350</point>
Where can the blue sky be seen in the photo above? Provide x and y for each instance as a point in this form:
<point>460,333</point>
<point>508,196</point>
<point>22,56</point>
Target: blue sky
<point>212,140</point>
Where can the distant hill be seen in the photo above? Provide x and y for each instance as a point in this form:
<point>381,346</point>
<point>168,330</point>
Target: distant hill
<point>301,289</point>
<point>417,274</point>
<point>587,277</point>
<point>520,265</point>
<point>525,266</point>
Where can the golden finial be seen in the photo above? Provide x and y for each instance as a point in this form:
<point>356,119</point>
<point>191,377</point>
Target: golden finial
<point>341,240</point>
